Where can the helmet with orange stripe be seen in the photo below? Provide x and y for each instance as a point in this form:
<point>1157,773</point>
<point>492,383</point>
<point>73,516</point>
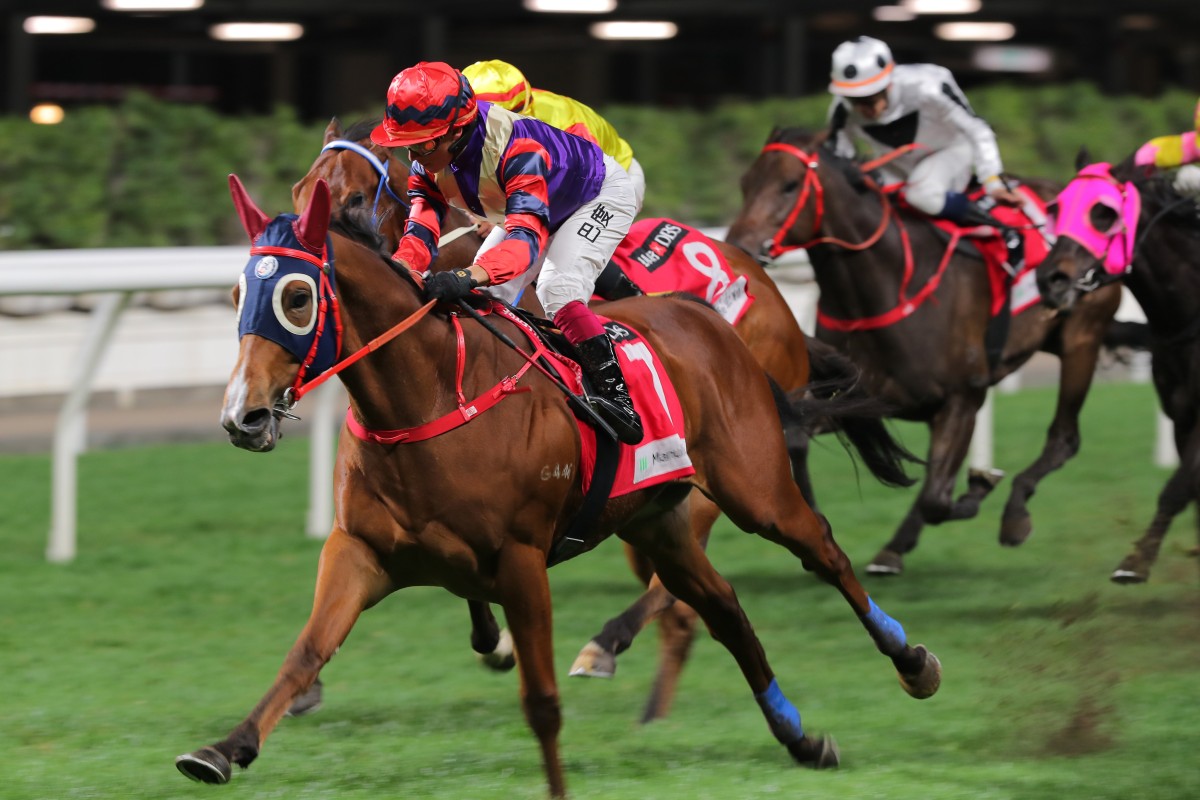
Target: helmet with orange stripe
<point>424,102</point>
<point>500,83</point>
<point>861,67</point>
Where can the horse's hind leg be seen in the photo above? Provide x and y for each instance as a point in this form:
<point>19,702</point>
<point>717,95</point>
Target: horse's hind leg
<point>1182,487</point>
<point>598,657</point>
<point>348,580</point>
<point>688,574</point>
<point>493,644</point>
<point>758,497</point>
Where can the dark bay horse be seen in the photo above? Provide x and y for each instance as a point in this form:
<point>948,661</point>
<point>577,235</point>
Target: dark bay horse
<point>931,362</point>
<point>1124,224</point>
<point>354,168</point>
<point>463,503</point>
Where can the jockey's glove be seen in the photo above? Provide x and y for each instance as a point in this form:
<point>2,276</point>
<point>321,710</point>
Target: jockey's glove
<point>450,285</point>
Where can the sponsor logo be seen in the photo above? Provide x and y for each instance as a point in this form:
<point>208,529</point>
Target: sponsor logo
<point>659,457</point>
<point>659,245</point>
<point>730,302</point>
<point>266,267</point>
<point>617,332</point>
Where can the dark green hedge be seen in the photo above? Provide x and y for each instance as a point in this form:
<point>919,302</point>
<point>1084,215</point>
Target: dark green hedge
<point>153,173</point>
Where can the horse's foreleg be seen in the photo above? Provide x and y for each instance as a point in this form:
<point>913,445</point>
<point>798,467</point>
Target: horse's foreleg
<point>949,439</point>
<point>525,593</point>
<point>688,574</point>
<point>676,633</point>
<point>1078,365</point>
<point>348,580</point>
<point>1182,487</point>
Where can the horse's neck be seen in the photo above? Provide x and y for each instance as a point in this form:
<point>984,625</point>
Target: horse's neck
<point>1165,279</point>
<point>405,382</point>
<point>857,283</point>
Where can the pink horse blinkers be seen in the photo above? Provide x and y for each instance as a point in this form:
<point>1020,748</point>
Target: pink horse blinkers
<point>1095,185</point>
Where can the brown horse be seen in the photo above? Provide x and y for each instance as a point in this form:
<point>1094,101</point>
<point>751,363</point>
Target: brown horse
<point>352,166</point>
<point>931,363</point>
<point>464,504</point>
<point>1125,224</point>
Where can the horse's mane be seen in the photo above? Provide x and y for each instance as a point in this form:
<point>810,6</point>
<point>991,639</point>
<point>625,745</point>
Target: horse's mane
<point>807,139</point>
<point>360,129</point>
<point>1158,190</point>
<point>354,226</point>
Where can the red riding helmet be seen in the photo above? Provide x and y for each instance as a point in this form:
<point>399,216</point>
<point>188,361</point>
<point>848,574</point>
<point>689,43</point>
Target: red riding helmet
<point>423,103</point>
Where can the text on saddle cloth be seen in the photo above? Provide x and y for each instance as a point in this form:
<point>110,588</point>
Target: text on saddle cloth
<point>662,255</point>
<point>662,454</point>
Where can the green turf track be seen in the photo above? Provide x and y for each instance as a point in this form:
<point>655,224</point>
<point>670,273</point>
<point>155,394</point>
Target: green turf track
<point>194,576</point>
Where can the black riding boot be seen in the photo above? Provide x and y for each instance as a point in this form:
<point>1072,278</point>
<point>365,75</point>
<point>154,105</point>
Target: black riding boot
<point>612,402</point>
<point>1014,242</point>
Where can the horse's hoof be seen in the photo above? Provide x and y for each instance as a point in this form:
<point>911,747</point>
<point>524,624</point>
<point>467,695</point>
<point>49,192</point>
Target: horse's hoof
<point>819,753</point>
<point>1130,570</point>
<point>503,658</point>
<point>985,479</point>
<point>886,563</point>
<point>308,702</point>
<point>1014,532</point>
<point>205,765</point>
<point>925,683</point>
<point>594,661</point>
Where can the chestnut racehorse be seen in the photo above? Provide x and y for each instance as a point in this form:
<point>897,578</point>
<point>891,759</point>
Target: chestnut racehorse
<point>362,178</point>
<point>930,362</point>
<point>462,503</point>
<point>1125,224</point>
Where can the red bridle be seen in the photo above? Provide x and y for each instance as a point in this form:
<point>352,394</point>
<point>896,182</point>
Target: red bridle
<point>905,305</point>
<point>811,182</point>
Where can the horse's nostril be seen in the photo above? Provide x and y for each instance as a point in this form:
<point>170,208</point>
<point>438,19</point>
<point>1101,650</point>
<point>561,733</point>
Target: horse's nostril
<point>255,421</point>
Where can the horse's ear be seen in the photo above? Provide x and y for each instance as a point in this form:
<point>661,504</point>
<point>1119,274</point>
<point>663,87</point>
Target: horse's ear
<point>333,130</point>
<point>314,222</point>
<point>1082,158</point>
<point>775,134</point>
<point>253,219</point>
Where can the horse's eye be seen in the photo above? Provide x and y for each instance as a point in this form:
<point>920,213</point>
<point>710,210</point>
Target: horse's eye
<point>1103,218</point>
<point>298,301</point>
<point>791,186</point>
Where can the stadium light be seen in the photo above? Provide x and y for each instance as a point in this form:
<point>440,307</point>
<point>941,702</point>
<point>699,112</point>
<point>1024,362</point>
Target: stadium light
<point>571,6</point>
<point>46,114</point>
<point>59,25</point>
<point>975,31</point>
<point>152,5</point>
<point>256,31</point>
<point>893,14</point>
<point>941,6</point>
<point>634,30</point>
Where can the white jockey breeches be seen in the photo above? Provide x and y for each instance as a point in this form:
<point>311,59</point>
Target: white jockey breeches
<point>947,170</point>
<point>581,247</point>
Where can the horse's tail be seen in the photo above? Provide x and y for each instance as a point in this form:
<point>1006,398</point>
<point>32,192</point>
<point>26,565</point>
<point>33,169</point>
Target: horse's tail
<point>1127,335</point>
<point>836,401</point>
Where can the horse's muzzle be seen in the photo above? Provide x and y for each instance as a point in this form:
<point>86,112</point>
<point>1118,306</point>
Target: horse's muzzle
<point>256,430</point>
<point>1057,288</point>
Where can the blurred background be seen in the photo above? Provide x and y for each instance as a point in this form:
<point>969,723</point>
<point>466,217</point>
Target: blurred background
<point>330,56</point>
<point>121,119</point>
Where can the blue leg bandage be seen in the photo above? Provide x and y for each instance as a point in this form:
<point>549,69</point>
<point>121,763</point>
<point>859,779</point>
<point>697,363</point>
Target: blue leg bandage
<point>781,715</point>
<point>887,633</point>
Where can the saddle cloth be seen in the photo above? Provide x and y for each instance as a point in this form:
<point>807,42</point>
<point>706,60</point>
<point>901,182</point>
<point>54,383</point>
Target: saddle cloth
<point>662,454</point>
<point>662,255</point>
<point>995,254</point>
